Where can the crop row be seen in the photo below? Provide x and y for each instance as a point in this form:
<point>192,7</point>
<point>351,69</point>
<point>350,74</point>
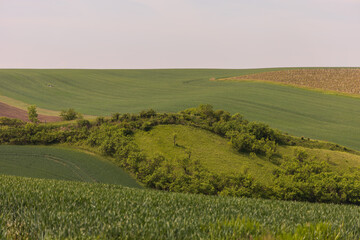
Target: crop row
<point>35,208</point>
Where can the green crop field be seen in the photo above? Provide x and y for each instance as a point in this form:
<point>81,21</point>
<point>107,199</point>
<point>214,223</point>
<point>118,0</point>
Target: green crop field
<point>59,163</point>
<point>48,209</point>
<point>219,156</point>
<point>102,92</point>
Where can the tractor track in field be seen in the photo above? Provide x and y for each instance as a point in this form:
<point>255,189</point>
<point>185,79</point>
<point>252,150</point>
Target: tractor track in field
<point>14,112</point>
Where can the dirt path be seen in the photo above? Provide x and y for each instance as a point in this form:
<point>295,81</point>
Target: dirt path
<point>13,112</point>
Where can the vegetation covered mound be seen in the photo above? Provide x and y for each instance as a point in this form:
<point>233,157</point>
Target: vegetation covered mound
<point>218,156</point>
<point>343,80</point>
<point>53,209</point>
<point>297,178</point>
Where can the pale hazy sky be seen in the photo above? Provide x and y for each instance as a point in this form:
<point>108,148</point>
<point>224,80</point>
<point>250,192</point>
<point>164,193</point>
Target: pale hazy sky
<point>178,33</point>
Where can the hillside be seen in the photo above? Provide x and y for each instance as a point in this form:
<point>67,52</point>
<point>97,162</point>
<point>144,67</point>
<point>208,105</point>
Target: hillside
<point>59,163</point>
<point>217,155</point>
<point>103,92</point>
<point>34,209</point>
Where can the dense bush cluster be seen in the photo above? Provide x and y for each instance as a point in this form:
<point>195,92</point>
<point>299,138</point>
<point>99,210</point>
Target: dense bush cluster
<point>70,114</point>
<point>303,179</point>
<point>298,178</point>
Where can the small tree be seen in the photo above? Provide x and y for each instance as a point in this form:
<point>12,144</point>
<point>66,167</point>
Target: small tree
<point>32,114</point>
<point>70,114</point>
<point>174,139</point>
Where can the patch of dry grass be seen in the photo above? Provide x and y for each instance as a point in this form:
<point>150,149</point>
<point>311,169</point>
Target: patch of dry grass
<point>344,80</point>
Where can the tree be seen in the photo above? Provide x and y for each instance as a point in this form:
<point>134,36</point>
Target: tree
<point>70,114</point>
<point>174,139</point>
<point>32,113</point>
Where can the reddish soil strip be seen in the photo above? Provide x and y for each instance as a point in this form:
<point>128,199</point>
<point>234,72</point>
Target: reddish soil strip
<point>13,112</point>
<point>345,80</point>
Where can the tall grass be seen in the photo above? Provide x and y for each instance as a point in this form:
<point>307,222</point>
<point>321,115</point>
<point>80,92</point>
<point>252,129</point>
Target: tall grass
<point>35,209</point>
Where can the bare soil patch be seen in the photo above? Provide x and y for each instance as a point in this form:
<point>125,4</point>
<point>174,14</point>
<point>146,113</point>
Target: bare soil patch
<point>13,112</point>
<point>344,80</point>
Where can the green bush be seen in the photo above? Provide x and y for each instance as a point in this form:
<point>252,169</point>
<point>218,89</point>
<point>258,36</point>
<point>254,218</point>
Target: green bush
<point>4,121</point>
<point>70,114</point>
<point>83,123</point>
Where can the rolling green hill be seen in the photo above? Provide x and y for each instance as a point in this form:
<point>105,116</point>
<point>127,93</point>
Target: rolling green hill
<point>102,92</point>
<point>60,163</point>
<point>220,157</point>
<point>51,209</point>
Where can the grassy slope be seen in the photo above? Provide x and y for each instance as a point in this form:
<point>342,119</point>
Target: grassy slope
<point>218,156</point>
<point>102,92</point>
<point>70,209</point>
<point>59,163</point>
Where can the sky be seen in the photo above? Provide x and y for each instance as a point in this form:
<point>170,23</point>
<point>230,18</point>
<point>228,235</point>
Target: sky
<point>125,34</point>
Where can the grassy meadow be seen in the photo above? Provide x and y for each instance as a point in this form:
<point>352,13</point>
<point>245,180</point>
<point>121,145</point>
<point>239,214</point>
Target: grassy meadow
<point>60,163</point>
<point>51,209</point>
<point>102,92</point>
<point>217,155</point>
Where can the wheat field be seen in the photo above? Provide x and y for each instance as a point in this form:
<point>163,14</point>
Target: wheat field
<point>343,80</point>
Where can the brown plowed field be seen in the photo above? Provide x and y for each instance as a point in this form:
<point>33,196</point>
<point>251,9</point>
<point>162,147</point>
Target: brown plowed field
<point>13,112</point>
<point>344,80</point>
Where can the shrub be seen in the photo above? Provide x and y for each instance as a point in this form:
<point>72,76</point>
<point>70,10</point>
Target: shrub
<point>115,117</point>
<point>83,123</point>
<point>242,142</point>
<point>4,121</point>
<point>70,114</point>
<point>99,121</point>
<point>147,113</point>
<point>146,126</point>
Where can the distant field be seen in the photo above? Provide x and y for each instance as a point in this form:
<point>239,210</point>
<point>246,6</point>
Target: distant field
<point>59,163</point>
<point>218,156</point>
<point>343,80</point>
<point>36,208</point>
<point>102,92</point>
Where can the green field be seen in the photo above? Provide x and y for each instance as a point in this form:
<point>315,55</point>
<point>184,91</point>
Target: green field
<point>102,92</point>
<point>38,209</point>
<point>59,163</point>
<point>220,157</point>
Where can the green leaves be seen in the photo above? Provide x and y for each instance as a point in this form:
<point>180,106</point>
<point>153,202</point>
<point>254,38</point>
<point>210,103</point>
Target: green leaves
<point>32,113</point>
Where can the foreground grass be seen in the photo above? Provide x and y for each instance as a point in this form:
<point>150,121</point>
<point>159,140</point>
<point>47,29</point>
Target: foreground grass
<point>34,209</point>
<point>60,163</point>
<point>102,92</point>
<point>216,154</point>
